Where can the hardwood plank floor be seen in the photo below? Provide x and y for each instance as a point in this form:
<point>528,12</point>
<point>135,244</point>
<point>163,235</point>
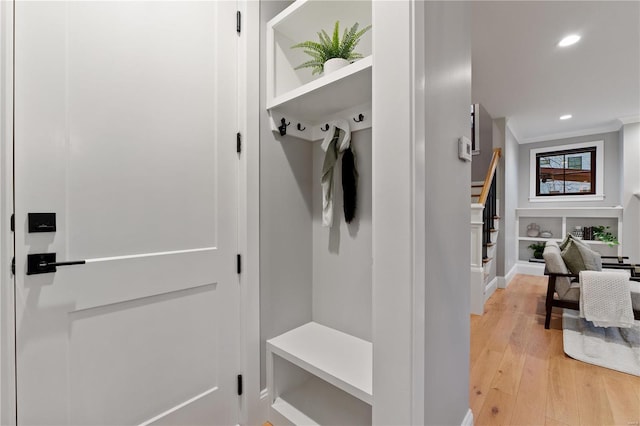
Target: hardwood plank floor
<point>520,374</point>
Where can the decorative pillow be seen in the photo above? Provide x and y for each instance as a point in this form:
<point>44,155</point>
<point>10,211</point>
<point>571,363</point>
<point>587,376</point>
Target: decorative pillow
<point>553,259</point>
<point>555,265</point>
<point>570,237</point>
<point>564,242</point>
<point>579,257</point>
<point>579,241</point>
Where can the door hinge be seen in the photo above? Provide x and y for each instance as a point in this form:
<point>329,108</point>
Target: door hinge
<point>238,263</point>
<point>239,384</point>
<point>13,266</point>
<point>13,222</point>
<point>238,143</point>
<point>238,22</point>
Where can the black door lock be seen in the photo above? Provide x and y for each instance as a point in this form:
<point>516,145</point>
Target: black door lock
<point>42,222</point>
<point>43,263</point>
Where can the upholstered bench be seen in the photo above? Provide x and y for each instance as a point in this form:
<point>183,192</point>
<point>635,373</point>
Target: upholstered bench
<point>564,284</point>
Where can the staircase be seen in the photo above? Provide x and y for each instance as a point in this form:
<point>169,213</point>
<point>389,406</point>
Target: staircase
<point>484,236</point>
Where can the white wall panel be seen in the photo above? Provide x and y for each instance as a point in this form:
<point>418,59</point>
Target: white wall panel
<point>448,96</point>
<point>342,254</point>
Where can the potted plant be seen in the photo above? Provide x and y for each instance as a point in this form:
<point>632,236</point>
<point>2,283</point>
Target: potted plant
<point>332,53</point>
<point>538,249</point>
<point>601,233</point>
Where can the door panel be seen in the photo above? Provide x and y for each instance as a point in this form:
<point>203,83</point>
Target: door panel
<point>144,351</point>
<point>161,205</point>
<point>125,122</point>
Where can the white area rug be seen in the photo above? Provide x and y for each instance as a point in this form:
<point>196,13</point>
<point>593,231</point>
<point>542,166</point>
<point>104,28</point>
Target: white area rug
<point>612,347</point>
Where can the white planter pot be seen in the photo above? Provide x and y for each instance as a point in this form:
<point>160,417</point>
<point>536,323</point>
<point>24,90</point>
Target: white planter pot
<point>334,64</point>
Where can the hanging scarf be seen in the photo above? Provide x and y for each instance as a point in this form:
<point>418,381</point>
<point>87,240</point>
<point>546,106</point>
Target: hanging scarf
<point>349,184</point>
<point>338,140</point>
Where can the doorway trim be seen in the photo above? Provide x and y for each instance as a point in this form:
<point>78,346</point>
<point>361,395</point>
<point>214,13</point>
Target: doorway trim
<point>248,213</point>
<point>249,206</point>
<point>7,311</point>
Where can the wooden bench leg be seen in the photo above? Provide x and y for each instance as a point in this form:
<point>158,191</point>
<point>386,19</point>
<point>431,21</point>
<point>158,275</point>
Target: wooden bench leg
<point>551,288</point>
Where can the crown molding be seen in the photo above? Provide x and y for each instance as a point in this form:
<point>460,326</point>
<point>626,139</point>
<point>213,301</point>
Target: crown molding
<point>630,119</point>
<point>613,127</point>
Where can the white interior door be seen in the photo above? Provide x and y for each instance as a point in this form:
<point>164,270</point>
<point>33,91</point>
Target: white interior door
<point>125,122</point>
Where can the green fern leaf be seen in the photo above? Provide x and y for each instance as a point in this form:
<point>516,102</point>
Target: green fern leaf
<point>329,47</point>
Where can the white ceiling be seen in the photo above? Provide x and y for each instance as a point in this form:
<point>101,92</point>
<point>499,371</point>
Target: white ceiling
<point>520,73</point>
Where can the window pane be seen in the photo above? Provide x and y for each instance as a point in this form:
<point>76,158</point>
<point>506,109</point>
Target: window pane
<point>578,173</point>
<point>551,172</point>
<point>566,172</point>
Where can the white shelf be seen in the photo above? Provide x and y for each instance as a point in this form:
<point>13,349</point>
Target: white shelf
<point>291,413</point>
<point>570,211</point>
<point>557,240</point>
<point>303,19</point>
<point>538,239</point>
<point>595,242</point>
<point>338,358</point>
<point>309,101</point>
<point>561,221</point>
<point>321,98</point>
<point>318,403</point>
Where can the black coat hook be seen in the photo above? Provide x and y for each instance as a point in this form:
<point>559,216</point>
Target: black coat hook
<point>326,128</point>
<point>282,128</point>
<point>300,128</point>
<point>360,118</point>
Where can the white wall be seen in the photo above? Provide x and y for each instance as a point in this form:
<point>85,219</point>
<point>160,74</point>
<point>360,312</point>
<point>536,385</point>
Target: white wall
<point>630,140</point>
<point>612,169</point>
<point>448,96</point>
<point>482,161</point>
<point>510,198</point>
<point>285,221</point>
<point>392,215</point>
<point>342,254</point>
<point>508,194</point>
<point>499,130</point>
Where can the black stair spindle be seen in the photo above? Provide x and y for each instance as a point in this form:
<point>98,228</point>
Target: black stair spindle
<point>488,217</point>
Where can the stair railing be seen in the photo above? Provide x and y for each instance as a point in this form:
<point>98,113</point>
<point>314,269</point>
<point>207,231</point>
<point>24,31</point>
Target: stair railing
<point>488,200</point>
<point>483,214</point>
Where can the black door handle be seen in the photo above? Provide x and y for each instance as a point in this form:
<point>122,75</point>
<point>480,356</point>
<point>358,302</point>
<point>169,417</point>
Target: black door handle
<point>43,263</point>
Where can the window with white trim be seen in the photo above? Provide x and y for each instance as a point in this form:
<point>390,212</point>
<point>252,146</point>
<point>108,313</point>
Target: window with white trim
<point>567,172</point>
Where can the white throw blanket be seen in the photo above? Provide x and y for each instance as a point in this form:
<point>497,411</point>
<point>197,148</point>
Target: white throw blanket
<point>605,298</point>
<point>332,146</point>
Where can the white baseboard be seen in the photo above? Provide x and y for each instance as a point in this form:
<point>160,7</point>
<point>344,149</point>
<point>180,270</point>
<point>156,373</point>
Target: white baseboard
<point>264,405</point>
<point>468,419</point>
<point>477,290</point>
<point>503,282</point>
<point>490,289</point>
<point>528,268</point>
<point>512,273</point>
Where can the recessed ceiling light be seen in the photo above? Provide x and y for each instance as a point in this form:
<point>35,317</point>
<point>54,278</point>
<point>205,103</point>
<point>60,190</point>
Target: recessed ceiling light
<point>569,40</point>
<point>565,117</point>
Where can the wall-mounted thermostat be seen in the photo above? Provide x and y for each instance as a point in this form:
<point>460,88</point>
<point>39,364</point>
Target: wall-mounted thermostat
<point>464,148</point>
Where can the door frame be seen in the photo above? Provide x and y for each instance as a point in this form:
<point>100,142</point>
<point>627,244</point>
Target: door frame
<point>7,312</point>
<point>248,212</point>
<point>249,207</point>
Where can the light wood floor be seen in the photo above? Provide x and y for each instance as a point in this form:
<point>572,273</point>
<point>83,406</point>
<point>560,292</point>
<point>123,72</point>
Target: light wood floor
<point>520,374</point>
